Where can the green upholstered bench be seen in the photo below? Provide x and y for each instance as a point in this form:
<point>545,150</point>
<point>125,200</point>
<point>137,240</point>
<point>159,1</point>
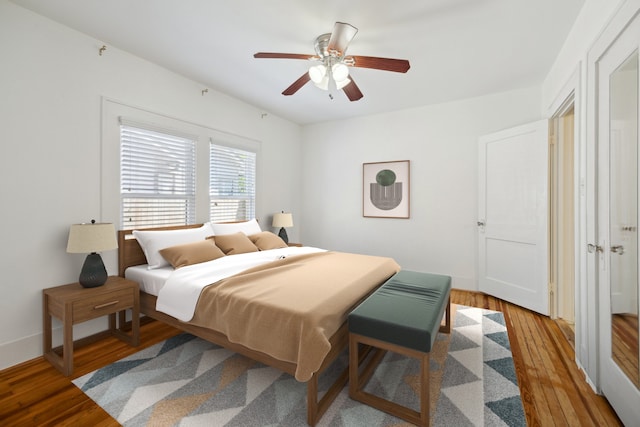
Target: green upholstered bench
<point>404,316</point>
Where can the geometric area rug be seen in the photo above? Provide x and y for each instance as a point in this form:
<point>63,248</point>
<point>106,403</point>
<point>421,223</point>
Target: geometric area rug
<point>186,381</point>
<point>468,375</point>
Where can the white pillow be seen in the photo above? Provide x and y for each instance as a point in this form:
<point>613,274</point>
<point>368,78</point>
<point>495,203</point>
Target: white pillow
<point>247,227</point>
<point>152,242</point>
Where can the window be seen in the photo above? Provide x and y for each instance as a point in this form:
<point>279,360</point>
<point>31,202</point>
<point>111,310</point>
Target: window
<point>157,178</point>
<point>232,176</point>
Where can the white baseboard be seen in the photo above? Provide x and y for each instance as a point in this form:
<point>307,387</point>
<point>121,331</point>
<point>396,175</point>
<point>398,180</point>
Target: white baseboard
<point>464,283</point>
<point>28,348</point>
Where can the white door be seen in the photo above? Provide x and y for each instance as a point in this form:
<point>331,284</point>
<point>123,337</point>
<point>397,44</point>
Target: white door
<point>513,216</point>
<point>617,139</point>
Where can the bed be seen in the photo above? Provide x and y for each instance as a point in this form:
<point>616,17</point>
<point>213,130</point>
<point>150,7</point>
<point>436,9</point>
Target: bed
<point>229,309</point>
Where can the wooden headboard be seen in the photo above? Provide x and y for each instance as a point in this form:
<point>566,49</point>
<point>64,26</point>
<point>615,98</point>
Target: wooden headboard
<point>129,250</point>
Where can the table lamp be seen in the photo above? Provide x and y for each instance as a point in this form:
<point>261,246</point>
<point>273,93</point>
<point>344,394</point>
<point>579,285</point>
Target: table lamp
<point>92,238</point>
<point>282,220</point>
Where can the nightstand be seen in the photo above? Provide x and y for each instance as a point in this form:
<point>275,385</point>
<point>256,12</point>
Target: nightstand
<point>75,304</point>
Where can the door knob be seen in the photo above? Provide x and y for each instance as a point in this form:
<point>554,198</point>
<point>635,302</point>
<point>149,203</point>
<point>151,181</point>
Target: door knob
<point>618,249</point>
<point>594,248</point>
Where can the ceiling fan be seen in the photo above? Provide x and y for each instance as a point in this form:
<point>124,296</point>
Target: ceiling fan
<point>333,68</point>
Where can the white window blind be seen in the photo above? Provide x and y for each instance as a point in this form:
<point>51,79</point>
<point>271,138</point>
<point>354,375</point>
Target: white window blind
<point>232,177</point>
<point>157,175</point>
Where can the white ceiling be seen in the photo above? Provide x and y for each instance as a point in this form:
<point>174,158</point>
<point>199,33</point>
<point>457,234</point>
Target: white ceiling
<point>457,48</point>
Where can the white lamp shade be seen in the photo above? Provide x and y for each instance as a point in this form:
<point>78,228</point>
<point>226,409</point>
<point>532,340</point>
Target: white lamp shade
<point>317,73</point>
<point>323,84</point>
<point>340,72</point>
<point>282,220</point>
<point>88,238</point>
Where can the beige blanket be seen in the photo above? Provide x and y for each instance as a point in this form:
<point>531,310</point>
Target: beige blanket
<point>290,308</point>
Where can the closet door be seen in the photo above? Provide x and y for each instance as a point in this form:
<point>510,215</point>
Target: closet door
<point>618,214</point>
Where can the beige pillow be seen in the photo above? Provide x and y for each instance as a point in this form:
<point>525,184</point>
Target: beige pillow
<point>236,243</point>
<point>152,241</point>
<point>191,253</point>
<point>267,240</point>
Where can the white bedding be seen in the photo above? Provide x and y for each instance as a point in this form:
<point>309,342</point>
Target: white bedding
<point>181,288</point>
<point>151,281</point>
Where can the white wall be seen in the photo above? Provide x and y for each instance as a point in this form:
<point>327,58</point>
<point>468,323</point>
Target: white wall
<point>593,16</point>
<point>50,107</point>
<point>441,143</point>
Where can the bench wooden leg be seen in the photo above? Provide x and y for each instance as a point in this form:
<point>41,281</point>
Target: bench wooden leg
<point>446,328</point>
<point>425,391</point>
<point>358,380</point>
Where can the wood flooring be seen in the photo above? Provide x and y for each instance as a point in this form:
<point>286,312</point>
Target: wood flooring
<point>554,391</point>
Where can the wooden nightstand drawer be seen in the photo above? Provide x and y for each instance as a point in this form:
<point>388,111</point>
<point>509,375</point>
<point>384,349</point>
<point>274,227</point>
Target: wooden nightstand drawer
<point>101,305</point>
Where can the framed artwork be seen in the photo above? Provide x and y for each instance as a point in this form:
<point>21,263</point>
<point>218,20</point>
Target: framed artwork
<point>385,189</point>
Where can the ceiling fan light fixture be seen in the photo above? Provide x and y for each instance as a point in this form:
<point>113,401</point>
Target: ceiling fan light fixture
<point>340,72</point>
<point>331,71</point>
<point>317,73</point>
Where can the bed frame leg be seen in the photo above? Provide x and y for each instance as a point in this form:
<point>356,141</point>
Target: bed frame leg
<point>317,407</point>
<point>312,400</point>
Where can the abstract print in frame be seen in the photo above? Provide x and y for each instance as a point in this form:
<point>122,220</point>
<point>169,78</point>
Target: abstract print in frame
<point>385,188</point>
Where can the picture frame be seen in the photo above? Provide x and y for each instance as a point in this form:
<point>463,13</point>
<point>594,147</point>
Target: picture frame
<point>386,189</point>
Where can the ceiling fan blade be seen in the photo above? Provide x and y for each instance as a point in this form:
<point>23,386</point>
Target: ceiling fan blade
<point>295,86</point>
<point>352,90</point>
<point>341,36</point>
<point>385,64</point>
<point>276,55</point>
